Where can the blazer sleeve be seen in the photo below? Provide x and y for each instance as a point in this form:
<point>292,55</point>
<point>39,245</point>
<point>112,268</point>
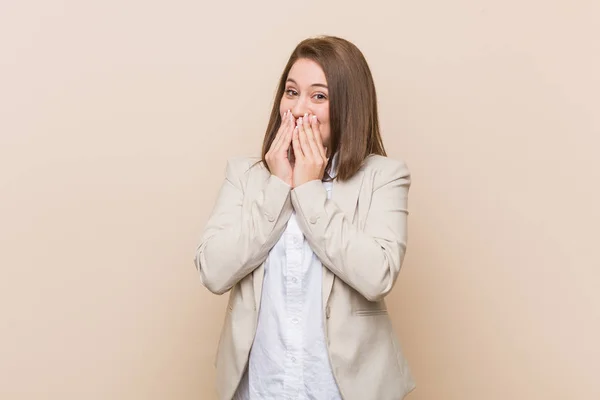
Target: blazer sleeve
<point>369,260</point>
<point>237,238</point>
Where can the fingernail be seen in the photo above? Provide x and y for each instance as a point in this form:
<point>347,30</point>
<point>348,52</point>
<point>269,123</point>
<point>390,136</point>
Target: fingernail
<point>300,120</point>
<point>314,117</point>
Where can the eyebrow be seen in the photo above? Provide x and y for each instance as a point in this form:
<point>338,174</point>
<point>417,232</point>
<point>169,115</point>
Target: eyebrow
<point>314,84</point>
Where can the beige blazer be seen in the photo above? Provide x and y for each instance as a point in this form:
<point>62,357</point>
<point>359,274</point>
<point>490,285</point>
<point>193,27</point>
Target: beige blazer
<point>359,236</point>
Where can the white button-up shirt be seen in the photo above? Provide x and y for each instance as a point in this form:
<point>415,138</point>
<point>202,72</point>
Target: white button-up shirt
<point>288,359</point>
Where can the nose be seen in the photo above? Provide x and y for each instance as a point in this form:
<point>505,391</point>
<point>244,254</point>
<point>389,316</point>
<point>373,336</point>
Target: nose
<point>300,107</point>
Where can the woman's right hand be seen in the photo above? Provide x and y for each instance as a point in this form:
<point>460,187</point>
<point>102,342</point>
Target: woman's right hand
<point>277,156</point>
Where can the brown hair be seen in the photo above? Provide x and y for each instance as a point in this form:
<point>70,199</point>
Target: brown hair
<point>352,103</point>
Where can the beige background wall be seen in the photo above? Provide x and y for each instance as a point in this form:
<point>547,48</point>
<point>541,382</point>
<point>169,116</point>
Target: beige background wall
<point>116,118</point>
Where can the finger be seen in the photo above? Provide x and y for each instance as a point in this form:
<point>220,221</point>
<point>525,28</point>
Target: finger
<point>285,126</point>
<point>306,125</point>
<point>318,138</point>
<point>310,136</point>
<point>275,141</point>
<point>286,140</point>
<point>296,145</point>
<point>306,150</point>
<point>290,127</point>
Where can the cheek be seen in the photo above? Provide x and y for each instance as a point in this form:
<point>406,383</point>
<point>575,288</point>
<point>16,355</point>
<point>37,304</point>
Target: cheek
<point>323,117</point>
<point>322,114</point>
<point>325,133</point>
<point>283,106</point>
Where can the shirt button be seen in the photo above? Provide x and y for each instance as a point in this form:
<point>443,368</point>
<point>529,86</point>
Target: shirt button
<point>294,280</point>
<point>294,359</point>
<point>295,320</point>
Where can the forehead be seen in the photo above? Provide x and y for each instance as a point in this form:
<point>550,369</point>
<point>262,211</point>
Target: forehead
<point>307,72</point>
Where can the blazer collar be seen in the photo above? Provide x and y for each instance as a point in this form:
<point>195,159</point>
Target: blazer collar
<point>345,195</point>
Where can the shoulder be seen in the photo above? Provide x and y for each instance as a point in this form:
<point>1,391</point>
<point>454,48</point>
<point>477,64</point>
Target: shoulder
<point>241,163</point>
<point>239,168</point>
<point>386,169</point>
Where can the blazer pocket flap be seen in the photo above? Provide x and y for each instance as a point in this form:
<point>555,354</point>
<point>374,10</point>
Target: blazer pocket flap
<point>371,311</point>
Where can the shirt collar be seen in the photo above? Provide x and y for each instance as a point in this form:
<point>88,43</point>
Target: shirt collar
<point>334,162</point>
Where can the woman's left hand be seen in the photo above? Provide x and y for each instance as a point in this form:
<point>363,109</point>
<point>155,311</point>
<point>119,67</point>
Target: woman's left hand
<point>311,156</point>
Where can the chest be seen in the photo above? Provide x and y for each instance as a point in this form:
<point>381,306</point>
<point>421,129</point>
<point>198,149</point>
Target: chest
<point>352,197</point>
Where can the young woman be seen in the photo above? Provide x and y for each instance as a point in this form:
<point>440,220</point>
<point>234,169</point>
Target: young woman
<point>309,239</point>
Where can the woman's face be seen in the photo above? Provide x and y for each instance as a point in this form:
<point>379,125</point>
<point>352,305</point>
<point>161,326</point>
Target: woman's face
<point>306,93</point>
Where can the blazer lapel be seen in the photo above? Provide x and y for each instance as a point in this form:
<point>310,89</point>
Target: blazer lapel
<point>258,273</point>
<point>345,195</point>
